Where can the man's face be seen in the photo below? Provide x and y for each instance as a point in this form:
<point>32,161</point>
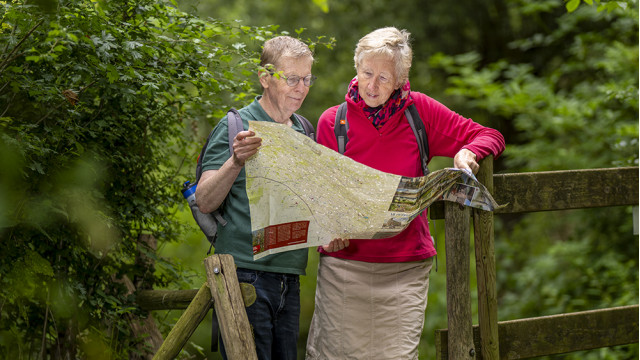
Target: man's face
<point>287,99</point>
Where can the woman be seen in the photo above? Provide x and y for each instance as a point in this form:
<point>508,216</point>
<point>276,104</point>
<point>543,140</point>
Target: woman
<point>371,295</point>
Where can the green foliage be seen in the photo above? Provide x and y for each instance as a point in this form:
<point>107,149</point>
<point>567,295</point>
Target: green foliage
<point>98,103</point>
<point>610,6</point>
<point>587,90</point>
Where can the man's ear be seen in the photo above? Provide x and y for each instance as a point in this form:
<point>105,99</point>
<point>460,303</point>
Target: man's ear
<point>263,77</point>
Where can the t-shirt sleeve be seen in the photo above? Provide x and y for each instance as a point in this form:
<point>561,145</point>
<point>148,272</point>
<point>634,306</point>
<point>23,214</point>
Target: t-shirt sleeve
<point>217,152</point>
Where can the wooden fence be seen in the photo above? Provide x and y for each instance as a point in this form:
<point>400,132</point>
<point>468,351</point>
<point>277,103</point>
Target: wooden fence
<point>526,338</point>
<point>490,339</point>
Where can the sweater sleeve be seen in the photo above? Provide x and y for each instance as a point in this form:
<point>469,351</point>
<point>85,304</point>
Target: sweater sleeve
<point>449,132</point>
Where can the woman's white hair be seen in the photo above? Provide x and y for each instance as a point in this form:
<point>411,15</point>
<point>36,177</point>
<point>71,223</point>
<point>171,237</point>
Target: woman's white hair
<point>391,42</point>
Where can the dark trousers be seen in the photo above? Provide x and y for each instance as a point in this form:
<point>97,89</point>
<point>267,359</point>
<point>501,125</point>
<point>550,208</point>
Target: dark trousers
<point>275,315</point>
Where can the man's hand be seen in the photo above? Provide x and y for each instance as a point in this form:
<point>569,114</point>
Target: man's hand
<point>336,245</point>
<point>245,145</point>
<point>466,159</point>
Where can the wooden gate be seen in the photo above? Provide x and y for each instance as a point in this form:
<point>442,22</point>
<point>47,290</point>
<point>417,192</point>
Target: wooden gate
<point>526,338</point>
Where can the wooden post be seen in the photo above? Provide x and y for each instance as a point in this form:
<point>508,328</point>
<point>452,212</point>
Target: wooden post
<point>460,341</point>
<point>486,269</point>
<point>232,316</point>
<point>186,325</point>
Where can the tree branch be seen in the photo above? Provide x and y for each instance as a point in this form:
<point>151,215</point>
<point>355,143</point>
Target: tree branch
<point>9,58</point>
<point>44,329</point>
<point>8,105</point>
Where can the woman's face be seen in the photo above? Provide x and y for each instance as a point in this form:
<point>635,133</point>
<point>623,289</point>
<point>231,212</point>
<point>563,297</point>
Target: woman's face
<point>376,79</point>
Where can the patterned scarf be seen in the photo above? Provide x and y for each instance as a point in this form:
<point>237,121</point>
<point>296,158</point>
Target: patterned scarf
<point>380,114</point>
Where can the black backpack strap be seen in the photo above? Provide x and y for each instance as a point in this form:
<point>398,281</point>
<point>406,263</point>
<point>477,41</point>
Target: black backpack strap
<point>421,135</point>
<point>307,126</point>
<point>341,127</point>
<point>415,121</point>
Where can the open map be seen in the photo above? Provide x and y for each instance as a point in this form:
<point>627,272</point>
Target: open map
<point>302,194</point>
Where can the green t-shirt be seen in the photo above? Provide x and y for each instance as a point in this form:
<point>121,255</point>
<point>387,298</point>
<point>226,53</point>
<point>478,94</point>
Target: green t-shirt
<point>235,238</point>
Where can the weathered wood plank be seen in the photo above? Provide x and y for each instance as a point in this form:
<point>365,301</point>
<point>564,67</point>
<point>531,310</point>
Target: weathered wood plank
<point>460,342</point>
<point>558,334</point>
<point>164,299</point>
<point>186,325</point>
<point>571,189</point>
<point>560,190</point>
<point>486,269</point>
<point>229,305</point>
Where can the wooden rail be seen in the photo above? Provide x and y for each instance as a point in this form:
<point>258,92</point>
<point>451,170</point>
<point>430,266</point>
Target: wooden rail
<point>164,299</point>
<point>560,190</point>
<point>557,334</point>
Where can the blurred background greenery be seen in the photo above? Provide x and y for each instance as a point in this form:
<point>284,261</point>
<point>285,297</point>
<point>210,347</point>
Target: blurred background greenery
<point>104,107</point>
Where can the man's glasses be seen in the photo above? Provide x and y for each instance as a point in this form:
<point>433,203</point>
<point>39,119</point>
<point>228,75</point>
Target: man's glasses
<point>293,80</point>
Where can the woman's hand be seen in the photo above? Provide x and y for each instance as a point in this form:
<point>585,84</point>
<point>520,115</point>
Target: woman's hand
<point>336,245</point>
<point>466,159</point>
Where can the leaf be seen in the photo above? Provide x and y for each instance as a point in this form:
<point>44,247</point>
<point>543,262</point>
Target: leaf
<point>323,5</point>
<point>112,73</point>
<point>572,5</point>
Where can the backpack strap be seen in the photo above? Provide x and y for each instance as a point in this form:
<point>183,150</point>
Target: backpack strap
<point>421,135</point>
<point>341,127</point>
<point>234,125</point>
<point>307,126</point>
<point>423,147</point>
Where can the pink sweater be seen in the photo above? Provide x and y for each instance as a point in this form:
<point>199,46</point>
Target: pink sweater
<point>393,149</point>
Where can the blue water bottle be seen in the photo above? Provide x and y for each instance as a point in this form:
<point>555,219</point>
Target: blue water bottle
<point>207,222</point>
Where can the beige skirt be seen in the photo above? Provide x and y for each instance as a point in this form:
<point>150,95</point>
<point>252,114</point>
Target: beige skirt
<point>368,310</point>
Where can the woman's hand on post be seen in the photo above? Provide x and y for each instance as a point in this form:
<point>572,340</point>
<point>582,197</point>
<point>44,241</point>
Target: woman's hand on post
<point>466,159</point>
<point>336,245</point>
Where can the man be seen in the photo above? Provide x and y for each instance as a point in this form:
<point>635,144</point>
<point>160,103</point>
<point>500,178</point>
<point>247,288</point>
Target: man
<point>285,77</point>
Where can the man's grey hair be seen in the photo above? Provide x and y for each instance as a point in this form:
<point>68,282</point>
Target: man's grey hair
<point>283,46</point>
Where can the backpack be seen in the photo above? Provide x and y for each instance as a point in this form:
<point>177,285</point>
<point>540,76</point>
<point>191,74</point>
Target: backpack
<point>209,222</point>
<point>342,126</point>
